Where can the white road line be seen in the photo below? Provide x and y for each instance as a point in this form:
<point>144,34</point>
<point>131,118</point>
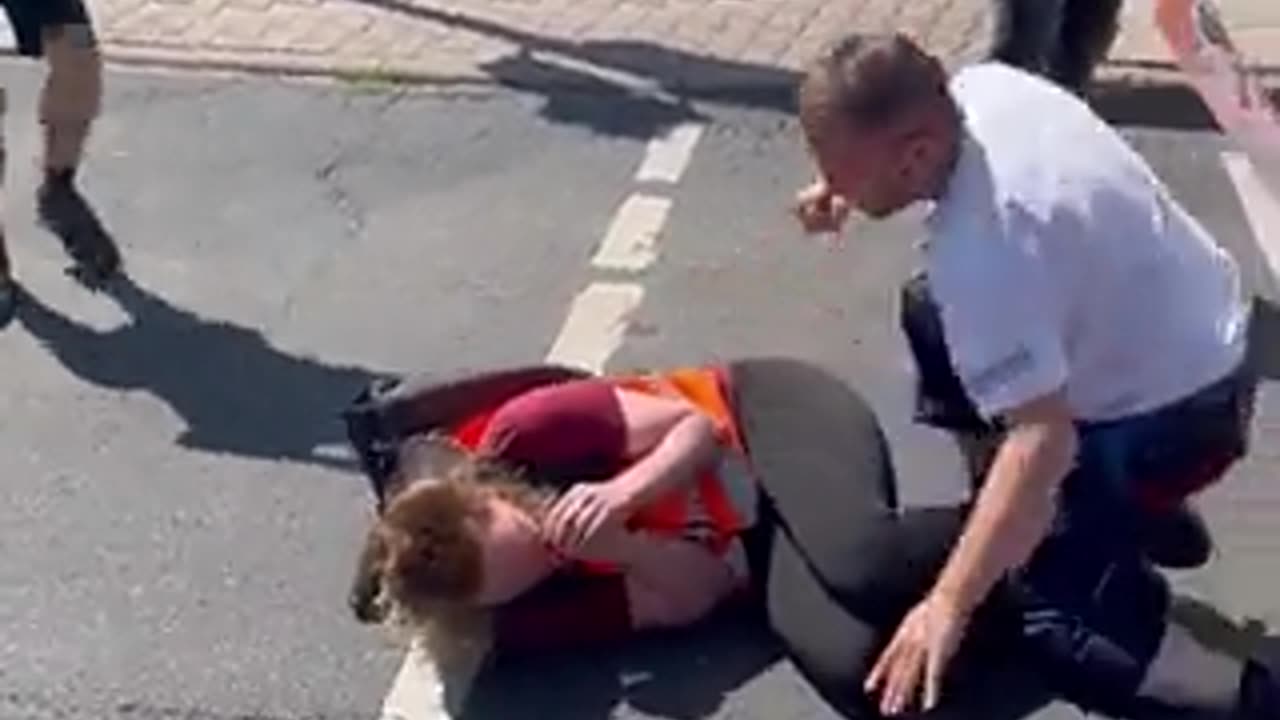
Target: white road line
<point>631,242</point>
<point>635,83</point>
<point>668,155</point>
<point>1260,206</point>
<point>417,692</point>
<point>593,330</point>
<point>338,452</point>
<point>596,325</point>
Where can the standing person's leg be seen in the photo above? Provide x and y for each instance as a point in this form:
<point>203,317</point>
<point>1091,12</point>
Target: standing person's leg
<point>1088,29</point>
<point>17,14</point>
<point>1027,32</point>
<point>70,102</point>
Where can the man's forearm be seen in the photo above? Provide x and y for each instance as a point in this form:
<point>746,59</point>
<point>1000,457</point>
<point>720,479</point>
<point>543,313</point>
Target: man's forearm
<point>1012,513</point>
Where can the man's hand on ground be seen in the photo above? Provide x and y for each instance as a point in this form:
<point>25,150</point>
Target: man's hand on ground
<point>925,642</point>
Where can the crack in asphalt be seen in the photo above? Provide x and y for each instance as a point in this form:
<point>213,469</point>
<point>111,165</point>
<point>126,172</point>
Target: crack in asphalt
<point>329,176</point>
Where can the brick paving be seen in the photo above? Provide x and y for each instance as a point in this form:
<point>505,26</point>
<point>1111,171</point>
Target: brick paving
<point>678,43</point>
<point>1254,26</point>
<point>687,41</point>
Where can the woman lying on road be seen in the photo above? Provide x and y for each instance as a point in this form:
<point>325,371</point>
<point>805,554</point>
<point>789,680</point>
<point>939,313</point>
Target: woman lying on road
<point>585,509</point>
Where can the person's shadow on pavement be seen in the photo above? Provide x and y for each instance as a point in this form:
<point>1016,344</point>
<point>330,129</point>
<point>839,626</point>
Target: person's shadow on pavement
<point>236,393</point>
<point>1249,638</point>
<point>692,674</point>
<point>685,674</point>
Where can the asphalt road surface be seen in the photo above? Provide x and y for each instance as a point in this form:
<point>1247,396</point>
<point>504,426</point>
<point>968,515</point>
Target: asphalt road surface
<point>179,520</point>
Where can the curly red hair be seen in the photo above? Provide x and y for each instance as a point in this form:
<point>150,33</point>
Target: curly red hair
<point>429,534</point>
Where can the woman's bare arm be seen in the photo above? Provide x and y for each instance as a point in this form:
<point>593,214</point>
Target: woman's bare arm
<point>672,440</point>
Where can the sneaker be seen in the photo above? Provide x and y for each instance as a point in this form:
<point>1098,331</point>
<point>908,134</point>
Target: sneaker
<point>1259,697</point>
<point>1178,540</point>
<point>64,212</point>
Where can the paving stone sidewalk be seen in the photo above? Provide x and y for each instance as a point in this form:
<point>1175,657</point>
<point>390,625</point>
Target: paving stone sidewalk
<point>722,44</point>
<point>1254,26</point>
<point>677,42</point>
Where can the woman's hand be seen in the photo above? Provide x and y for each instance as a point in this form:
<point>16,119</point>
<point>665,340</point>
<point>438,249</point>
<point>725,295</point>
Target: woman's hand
<point>588,519</point>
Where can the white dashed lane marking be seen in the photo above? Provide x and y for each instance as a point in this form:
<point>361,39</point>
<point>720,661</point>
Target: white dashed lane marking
<point>1261,207</point>
<point>668,155</point>
<point>596,325</point>
<point>631,243</point>
<point>593,330</point>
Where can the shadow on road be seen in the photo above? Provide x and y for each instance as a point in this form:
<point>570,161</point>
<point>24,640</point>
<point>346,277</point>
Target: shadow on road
<point>578,98</point>
<point>236,393</point>
<point>682,76</point>
<point>691,674</point>
<point>1169,106</point>
<point>1165,101</point>
<point>683,675</point>
<point>1249,638</point>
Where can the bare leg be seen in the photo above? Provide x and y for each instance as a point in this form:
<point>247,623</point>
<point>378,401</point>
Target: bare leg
<point>69,103</point>
<point>1089,28</point>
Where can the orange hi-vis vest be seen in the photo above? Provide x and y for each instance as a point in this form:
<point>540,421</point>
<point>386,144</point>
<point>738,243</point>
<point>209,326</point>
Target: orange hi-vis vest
<point>673,514</point>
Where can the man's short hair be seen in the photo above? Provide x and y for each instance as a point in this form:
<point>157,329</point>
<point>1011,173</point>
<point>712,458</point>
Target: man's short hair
<point>870,80</point>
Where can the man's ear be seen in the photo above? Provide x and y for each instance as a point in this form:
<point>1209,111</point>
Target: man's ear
<point>921,158</point>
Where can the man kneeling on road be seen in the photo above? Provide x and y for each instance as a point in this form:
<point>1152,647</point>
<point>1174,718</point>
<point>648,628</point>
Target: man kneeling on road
<point>1090,327</point>
<point>61,32</point>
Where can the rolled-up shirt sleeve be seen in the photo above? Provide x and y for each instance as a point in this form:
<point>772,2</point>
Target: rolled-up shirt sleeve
<point>1002,327</point>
